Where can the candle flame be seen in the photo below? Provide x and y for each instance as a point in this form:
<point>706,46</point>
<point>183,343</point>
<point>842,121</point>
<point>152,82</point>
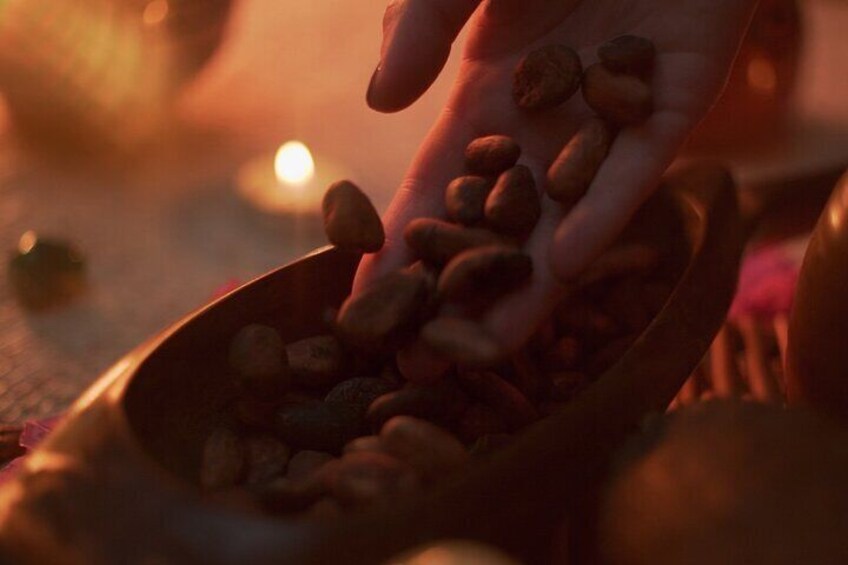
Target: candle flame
<point>27,241</point>
<point>293,163</point>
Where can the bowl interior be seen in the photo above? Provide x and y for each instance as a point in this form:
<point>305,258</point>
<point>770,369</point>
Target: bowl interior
<point>184,387</point>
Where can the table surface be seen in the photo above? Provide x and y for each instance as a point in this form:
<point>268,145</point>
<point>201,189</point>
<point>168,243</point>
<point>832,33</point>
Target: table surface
<point>165,233</point>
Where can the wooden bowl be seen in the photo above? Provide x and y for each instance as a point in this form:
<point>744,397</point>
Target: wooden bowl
<point>116,482</point>
<point>816,363</point>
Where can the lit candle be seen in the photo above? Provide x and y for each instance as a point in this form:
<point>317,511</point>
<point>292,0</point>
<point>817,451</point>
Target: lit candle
<point>288,182</point>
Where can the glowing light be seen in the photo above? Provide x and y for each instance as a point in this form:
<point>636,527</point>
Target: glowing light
<point>155,12</point>
<point>835,217</point>
<point>27,241</point>
<point>762,76</point>
<point>288,180</point>
<point>293,163</point>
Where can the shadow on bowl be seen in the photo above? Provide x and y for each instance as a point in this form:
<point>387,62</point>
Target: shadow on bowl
<point>117,482</point>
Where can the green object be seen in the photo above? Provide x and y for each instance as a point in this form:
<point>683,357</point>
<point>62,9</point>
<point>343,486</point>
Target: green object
<point>46,272</point>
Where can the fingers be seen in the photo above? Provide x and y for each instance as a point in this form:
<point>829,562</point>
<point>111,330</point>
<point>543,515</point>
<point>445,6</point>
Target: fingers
<point>420,195</point>
<point>726,380</point>
<point>690,390</point>
<point>761,380</point>
<point>417,38</point>
<point>514,318</point>
<point>633,169</point>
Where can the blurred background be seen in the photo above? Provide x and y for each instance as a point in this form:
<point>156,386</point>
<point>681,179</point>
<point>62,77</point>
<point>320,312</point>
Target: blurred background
<point>156,153</point>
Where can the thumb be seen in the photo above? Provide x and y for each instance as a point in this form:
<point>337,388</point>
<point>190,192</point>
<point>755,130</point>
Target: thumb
<point>417,38</point>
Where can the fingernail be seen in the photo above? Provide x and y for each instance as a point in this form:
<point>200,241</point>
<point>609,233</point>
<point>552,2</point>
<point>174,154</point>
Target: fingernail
<point>369,94</point>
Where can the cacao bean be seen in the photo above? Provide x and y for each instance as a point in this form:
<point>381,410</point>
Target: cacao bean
<point>359,392</point>
<point>266,458</point>
<point>575,167</point>
<point>365,443</point>
<point>628,54</point>
<point>419,364</point>
<point>463,341</point>
<point>465,199</point>
<point>350,220</point>
<point>442,404</point>
<point>259,358</point>
<point>491,155</point>
<point>484,274</point>
<point>317,362</point>
<point>621,99</point>
<point>383,316</point>
<point>427,448</point>
<point>437,241</point>
<point>513,205</point>
<point>502,396</point>
<point>319,426</point>
<point>223,461</point>
<point>546,77</point>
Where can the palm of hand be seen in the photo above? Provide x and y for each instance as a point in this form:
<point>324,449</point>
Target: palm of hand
<point>695,40</point>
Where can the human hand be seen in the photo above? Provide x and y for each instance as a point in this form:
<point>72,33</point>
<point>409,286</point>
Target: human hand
<point>695,40</point>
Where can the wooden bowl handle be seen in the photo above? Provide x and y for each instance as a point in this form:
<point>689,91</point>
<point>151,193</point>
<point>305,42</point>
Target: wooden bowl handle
<point>816,359</point>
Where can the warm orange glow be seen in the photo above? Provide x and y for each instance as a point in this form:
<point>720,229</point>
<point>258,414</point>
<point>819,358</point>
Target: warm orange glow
<point>288,180</point>
<point>454,552</point>
<point>4,113</point>
<point>293,164</point>
<point>835,217</point>
<point>836,211</point>
<point>762,76</point>
<point>27,242</point>
<point>155,12</point>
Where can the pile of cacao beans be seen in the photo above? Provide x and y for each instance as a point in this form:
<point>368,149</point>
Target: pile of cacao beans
<point>329,423</point>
